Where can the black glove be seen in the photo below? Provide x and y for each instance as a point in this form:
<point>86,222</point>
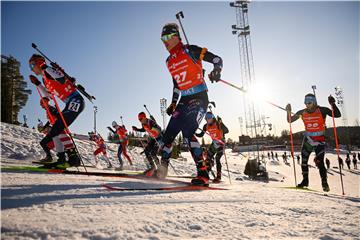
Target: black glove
<point>134,128</point>
<point>288,107</point>
<point>215,75</point>
<point>331,100</point>
<point>34,80</point>
<point>171,109</point>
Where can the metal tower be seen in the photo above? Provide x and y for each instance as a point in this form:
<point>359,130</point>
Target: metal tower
<point>242,30</point>
<point>339,95</point>
<point>163,106</point>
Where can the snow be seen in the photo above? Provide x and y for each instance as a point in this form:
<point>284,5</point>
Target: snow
<point>58,206</point>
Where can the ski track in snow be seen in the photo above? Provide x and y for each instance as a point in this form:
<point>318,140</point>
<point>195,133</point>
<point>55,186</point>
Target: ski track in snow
<point>57,206</point>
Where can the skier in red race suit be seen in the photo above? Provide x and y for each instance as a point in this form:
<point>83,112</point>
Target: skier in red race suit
<point>185,67</point>
<point>101,147</point>
<point>56,83</point>
<point>217,130</point>
<point>121,132</point>
<point>150,126</point>
<point>314,117</point>
<point>60,142</point>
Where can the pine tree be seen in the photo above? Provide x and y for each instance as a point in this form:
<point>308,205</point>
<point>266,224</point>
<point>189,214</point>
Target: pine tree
<point>14,94</point>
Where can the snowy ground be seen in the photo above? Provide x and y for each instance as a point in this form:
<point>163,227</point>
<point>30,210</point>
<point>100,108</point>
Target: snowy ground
<point>56,206</point>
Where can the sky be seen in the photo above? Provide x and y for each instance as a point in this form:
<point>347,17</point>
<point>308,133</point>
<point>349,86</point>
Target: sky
<point>114,50</point>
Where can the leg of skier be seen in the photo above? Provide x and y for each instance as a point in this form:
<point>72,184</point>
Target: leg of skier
<point>320,154</point>
<point>151,157</point>
<point>305,153</point>
<point>70,114</point>
<point>124,151</point>
<point>219,154</point>
<point>106,157</point>
<point>194,113</point>
<point>97,151</point>
<point>210,156</point>
<point>119,157</point>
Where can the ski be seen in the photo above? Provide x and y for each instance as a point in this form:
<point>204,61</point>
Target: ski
<point>299,188</point>
<point>188,187</point>
<point>25,168</point>
<point>99,174</point>
<point>325,194</point>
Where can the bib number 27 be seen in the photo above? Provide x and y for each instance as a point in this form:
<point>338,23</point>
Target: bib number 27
<point>180,77</point>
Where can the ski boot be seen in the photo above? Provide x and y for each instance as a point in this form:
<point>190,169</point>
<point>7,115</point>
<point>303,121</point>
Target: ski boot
<point>74,158</point>
<point>61,162</point>
<point>162,170</point>
<point>47,159</point>
<point>202,179</point>
<point>325,185</point>
<point>218,178</point>
<point>150,172</point>
<point>119,168</point>
<point>304,183</point>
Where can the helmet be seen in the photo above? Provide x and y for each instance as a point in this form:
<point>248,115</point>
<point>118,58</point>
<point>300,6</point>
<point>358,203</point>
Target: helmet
<point>141,116</point>
<point>209,115</point>
<point>310,98</point>
<point>37,59</point>
<point>114,124</point>
<point>170,28</point>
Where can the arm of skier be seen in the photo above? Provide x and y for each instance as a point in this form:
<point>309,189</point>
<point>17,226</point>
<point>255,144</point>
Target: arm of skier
<point>328,111</point>
<point>174,99</point>
<point>138,129</point>
<point>207,56</point>
<point>293,118</point>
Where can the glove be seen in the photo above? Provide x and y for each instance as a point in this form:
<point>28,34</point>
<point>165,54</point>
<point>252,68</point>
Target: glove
<point>215,75</point>
<point>34,80</point>
<point>134,128</point>
<point>171,109</point>
<point>288,107</point>
<point>331,100</point>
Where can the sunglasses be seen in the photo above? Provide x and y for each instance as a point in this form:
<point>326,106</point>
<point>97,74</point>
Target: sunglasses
<point>31,65</point>
<point>167,37</point>
<point>308,103</point>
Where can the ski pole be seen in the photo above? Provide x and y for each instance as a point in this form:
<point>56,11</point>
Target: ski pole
<point>122,123</point>
<point>337,148</point>
<point>180,15</point>
<point>244,91</point>
<point>67,129</point>
<point>78,86</point>
<point>292,146</point>
<point>227,166</point>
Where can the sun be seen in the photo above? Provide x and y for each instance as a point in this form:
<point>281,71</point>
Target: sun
<point>259,92</point>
